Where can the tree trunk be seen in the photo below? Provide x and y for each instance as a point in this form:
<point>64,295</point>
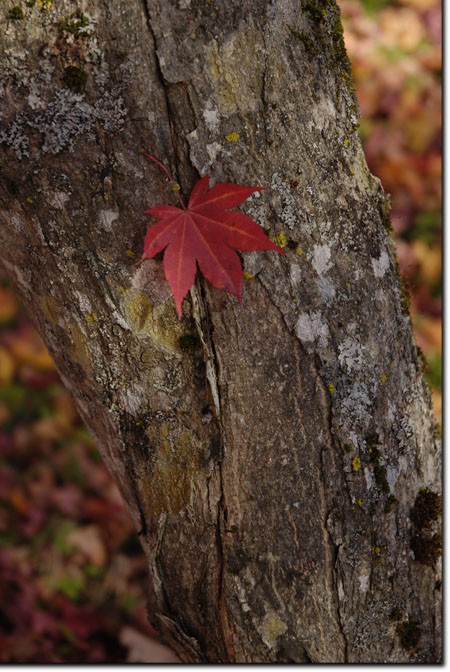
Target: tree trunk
<point>279,457</point>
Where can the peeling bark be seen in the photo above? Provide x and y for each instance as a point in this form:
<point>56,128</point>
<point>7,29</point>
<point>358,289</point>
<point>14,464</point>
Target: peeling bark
<point>279,457</point>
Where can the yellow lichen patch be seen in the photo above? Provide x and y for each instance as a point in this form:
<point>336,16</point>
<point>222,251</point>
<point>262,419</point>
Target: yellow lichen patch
<point>281,239</point>
<point>383,378</point>
<point>159,321</point>
<point>331,388</point>
<point>248,276</point>
<point>232,137</point>
<point>175,187</point>
<point>138,311</point>
<point>235,72</point>
<point>272,627</point>
<point>167,328</point>
<point>44,4</point>
<point>29,200</point>
<point>93,317</point>
<point>176,473</point>
<point>356,463</point>
<point>129,253</point>
<point>298,251</point>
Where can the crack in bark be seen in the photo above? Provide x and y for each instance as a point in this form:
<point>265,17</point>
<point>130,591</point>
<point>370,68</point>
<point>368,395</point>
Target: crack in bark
<point>163,84</point>
<point>202,322</point>
<point>204,328</point>
<point>265,104</point>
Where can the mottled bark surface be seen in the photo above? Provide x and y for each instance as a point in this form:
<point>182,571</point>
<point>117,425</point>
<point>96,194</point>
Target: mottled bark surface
<point>280,457</point>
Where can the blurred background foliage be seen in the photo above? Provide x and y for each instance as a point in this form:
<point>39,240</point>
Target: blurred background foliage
<point>72,574</point>
<point>395,50</point>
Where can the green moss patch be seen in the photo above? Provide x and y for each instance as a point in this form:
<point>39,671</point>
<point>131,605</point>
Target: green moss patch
<point>16,13</point>
<point>75,78</point>
<point>425,541</point>
<point>409,634</point>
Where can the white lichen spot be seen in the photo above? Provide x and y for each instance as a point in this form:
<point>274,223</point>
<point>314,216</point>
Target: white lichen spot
<point>241,595</point>
<point>106,218</point>
<point>340,590</point>
<point>369,478</point>
<point>295,275</point>
<point>271,628</point>
<point>326,289</point>
<point>321,255</point>
<point>59,199</point>
<point>381,264</point>
<point>17,222</point>
<point>35,102</point>
<point>357,404</point>
<point>252,263</point>
<point>133,398</point>
<point>62,121</point>
<point>39,231</point>
<point>84,303</point>
<point>310,328</point>
<point>213,150</point>
<point>192,136</point>
<point>212,119</point>
<point>351,354</point>
<point>323,112</point>
<point>392,474</point>
<point>115,314</point>
<point>391,411</point>
<point>288,214</point>
<point>364,583</point>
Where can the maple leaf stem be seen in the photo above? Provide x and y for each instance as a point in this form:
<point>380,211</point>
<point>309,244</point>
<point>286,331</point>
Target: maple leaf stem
<point>163,167</point>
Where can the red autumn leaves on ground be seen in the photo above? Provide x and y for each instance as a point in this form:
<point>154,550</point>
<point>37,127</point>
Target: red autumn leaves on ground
<point>206,232</point>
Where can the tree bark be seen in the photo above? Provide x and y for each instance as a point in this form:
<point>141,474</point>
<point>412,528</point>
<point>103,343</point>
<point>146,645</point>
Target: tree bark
<point>279,457</point>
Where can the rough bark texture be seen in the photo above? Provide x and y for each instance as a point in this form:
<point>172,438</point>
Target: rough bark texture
<point>280,457</point>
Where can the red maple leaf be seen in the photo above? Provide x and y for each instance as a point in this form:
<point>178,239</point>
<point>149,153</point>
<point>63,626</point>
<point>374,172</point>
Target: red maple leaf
<point>207,233</point>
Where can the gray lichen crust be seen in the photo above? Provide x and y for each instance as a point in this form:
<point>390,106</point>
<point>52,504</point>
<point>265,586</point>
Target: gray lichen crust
<point>62,49</point>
